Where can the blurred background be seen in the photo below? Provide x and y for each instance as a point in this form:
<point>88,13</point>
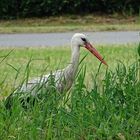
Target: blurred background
<point>43,8</point>
<point>50,16</point>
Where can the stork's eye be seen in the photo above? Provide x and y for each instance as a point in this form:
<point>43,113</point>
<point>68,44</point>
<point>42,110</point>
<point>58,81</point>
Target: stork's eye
<point>84,39</point>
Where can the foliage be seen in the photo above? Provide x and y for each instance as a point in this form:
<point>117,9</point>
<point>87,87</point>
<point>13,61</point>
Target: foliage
<point>110,110</point>
<point>40,8</point>
<point>139,49</point>
<point>81,113</point>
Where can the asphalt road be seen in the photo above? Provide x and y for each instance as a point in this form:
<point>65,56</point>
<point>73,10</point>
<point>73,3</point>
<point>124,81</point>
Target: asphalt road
<point>63,39</point>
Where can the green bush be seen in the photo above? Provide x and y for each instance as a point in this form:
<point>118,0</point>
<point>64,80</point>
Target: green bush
<point>40,8</point>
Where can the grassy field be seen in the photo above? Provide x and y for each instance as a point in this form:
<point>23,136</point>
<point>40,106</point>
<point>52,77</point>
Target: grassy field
<point>44,60</point>
<point>71,23</point>
<point>100,105</point>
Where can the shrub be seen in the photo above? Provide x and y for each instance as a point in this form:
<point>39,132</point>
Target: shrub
<point>40,8</point>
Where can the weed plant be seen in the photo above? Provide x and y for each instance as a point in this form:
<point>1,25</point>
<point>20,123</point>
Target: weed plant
<point>111,111</point>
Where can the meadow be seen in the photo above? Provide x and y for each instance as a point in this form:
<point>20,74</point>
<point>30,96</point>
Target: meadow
<point>65,23</point>
<point>103,103</point>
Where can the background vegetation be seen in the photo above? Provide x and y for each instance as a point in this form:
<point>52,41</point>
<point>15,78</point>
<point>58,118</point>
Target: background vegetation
<point>40,8</point>
<point>76,23</point>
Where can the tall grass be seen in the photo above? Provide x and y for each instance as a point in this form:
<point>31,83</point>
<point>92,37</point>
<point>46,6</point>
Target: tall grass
<point>108,111</point>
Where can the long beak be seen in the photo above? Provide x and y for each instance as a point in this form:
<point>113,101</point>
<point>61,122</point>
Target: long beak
<point>95,52</point>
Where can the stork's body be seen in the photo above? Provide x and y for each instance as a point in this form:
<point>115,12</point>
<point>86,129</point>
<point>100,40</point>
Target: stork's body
<point>64,78</point>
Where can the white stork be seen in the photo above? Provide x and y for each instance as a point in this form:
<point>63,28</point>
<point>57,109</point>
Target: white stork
<point>65,77</point>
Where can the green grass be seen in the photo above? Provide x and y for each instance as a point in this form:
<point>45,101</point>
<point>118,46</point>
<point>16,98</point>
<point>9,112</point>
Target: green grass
<point>71,23</point>
<point>107,109</point>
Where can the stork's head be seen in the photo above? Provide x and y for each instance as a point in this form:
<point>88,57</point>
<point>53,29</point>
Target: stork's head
<point>80,40</point>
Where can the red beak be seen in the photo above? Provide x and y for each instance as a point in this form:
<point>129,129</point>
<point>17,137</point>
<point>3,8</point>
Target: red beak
<point>95,52</point>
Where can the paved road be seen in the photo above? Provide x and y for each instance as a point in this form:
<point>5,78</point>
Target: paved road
<point>63,39</point>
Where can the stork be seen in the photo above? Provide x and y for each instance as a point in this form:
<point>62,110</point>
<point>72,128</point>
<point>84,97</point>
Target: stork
<point>65,77</point>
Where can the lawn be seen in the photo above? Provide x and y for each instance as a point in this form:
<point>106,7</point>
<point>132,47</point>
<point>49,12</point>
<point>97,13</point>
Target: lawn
<point>100,105</point>
<point>71,23</point>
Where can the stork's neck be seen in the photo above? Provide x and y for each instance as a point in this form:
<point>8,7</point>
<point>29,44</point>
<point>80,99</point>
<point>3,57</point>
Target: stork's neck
<point>72,68</point>
<point>75,56</point>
